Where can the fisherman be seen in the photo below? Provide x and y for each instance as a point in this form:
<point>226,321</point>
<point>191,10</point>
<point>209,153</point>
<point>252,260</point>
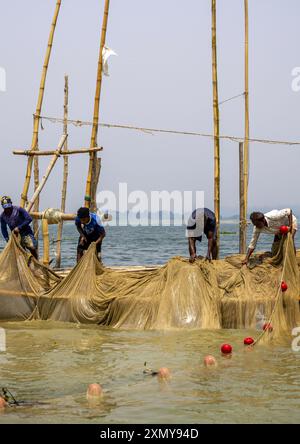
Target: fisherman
<point>202,220</point>
<point>90,229</point>
<point>19,222</point>
<point>270,223</point>
<point>94,395</point>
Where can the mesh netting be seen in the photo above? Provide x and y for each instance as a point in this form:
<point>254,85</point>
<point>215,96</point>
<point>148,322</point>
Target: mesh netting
<point>22,280</point>
<point>220,294</point>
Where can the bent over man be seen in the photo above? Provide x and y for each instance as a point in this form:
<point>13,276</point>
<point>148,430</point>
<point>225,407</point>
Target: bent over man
<point>18,221</point>
<point>90,229</point>
<point>202,221</point>
<point>270,223</point>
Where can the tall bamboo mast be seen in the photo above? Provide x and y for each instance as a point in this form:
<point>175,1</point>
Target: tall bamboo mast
<point>88,199</point>
<point>216,124</point>
<point>246,141</point>
<point>34,143</point>
<point>65,175</point>
<point>242,237</point>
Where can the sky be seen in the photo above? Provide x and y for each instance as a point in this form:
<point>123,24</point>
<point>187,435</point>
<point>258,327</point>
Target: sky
<point>160,79</point>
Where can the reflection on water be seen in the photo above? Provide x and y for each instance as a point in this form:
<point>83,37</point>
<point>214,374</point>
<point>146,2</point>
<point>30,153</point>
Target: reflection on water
<point>53,363</point>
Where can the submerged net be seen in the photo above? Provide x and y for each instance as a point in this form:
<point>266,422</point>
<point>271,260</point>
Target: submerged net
<point>221,294</point>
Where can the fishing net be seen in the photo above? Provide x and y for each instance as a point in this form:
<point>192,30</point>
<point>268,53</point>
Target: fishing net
<point>22,280</point>
<point>220,294</point>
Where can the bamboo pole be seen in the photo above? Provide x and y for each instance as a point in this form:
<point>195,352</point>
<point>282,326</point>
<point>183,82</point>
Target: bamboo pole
<point>65,175</point>
<point>37,202</point>
<point>36,121</point>
<point>216,125</point>
<point>45,228</point>
<point>246,142</point>
<point>95,180</point>
<point>243,225</point>
<point>47,173</point>
<point>88,199</point>
<point>17,293</point>
<point>50,153</point>
<point>40,215</point>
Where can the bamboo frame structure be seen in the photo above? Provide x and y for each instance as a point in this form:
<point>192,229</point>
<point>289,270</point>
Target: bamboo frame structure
<point>50,153</point>
<point>216,125</point>
<point>47,173</point>
<point>94,167</point>
<point>242,236</point>
<point>89,199</point>
<point>65,175</point>
<point>34,143</point>
<point>246,141</point>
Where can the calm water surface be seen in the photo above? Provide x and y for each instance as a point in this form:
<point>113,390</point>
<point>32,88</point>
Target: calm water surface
<point>53,362</point>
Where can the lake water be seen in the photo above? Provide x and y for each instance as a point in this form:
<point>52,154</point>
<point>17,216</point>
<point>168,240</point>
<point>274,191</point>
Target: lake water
<point>54,362</point>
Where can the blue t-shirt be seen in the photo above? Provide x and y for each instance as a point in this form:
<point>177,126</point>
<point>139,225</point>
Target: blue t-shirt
<point>19,218</point>
<point>93,228</point>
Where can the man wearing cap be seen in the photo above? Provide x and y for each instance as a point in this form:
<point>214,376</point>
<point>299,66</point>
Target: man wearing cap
<point>202,221</point>
<point>18,221</point>
<point>90,228</point>
<point>270,223</point>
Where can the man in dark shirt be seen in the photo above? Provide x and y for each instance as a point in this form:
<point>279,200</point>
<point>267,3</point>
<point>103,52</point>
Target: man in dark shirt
<point>18,221</point>
<point>202,221</point>
<point>90,229</point>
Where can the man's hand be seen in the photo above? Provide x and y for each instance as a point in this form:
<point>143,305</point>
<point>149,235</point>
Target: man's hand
<point>16,231</point>
<point>83,240</point>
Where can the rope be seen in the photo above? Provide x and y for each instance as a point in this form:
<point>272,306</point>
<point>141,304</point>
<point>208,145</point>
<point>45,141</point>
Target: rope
<point>164,131</point>
<point>279,291</point>
<point>231,98</point>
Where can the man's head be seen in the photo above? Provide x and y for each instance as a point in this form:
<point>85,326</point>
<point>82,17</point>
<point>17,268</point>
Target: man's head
<point>258,219</point>
<point>7,205</point>
<point>84,215</point>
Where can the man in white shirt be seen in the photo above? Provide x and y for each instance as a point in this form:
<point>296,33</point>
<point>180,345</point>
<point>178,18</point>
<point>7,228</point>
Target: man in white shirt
<point>270,223</point>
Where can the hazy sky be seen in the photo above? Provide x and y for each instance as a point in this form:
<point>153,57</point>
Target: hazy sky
<point>161,78</point>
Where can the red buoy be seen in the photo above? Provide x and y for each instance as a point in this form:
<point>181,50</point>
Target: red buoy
<point>284,286</point>
<point>226,349</point>
<point>284,229</point>
<point>268,326</point>
<point>248,341</point>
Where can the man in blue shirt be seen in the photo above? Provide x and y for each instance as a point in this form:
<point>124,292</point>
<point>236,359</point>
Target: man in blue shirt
<point>18,221</point>
<point>90,229</point>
